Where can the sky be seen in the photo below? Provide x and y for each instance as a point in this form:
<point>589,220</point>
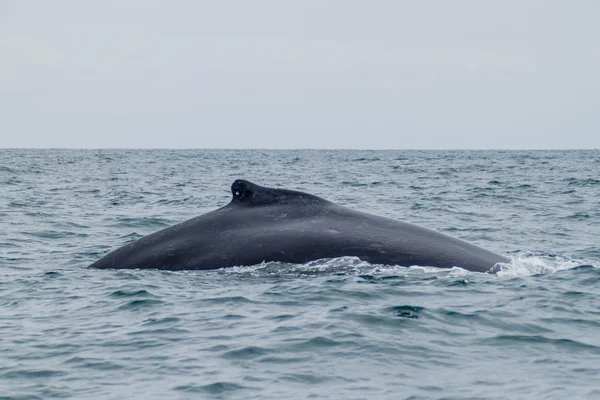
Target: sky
<point>345,74</point>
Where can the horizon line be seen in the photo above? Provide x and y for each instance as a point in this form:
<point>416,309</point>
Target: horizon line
<point>302,148</point>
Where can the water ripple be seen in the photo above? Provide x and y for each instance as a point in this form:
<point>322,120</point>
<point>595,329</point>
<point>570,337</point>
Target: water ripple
<point>333,328</point>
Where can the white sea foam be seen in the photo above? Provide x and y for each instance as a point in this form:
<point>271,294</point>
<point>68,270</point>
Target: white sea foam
<point>523,265</point>
<point>530,264</point>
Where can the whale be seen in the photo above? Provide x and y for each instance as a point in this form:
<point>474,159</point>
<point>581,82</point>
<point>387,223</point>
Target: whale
<point>262,224</point>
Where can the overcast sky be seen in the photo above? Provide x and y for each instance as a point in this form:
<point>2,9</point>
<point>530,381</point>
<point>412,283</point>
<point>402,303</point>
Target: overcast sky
<point>300,74</point>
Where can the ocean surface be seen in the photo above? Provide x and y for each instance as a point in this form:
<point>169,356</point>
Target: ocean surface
<point>328,329</point>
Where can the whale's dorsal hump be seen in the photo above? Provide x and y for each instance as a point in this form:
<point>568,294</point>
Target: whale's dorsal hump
<point>250,194</point>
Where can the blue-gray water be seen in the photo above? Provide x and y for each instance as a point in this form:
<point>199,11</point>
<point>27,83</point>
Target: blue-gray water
<point>338,328</point>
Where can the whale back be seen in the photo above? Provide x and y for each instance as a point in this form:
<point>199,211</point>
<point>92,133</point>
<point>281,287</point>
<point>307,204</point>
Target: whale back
<point>266,224</point>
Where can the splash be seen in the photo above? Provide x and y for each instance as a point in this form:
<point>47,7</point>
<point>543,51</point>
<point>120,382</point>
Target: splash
<point>528,264</point>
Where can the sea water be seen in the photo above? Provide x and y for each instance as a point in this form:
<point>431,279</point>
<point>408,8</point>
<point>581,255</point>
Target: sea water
<point>339,328</point>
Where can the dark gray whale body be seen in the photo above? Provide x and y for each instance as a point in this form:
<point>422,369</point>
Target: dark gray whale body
<point>264,224</point>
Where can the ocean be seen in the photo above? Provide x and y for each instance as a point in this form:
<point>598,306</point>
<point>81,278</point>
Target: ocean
<point>329,329</point>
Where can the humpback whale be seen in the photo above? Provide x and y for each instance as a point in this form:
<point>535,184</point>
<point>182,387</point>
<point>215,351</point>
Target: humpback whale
<point>265,224</point>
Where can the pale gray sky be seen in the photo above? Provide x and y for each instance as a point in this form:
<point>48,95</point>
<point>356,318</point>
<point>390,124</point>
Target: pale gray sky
<point>303,74</point>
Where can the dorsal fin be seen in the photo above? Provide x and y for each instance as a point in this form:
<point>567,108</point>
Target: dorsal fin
<point>248,193</point>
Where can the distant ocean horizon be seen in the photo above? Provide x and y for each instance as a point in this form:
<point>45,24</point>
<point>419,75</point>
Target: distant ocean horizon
<point>301,149</point>
<point>335,328</point>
